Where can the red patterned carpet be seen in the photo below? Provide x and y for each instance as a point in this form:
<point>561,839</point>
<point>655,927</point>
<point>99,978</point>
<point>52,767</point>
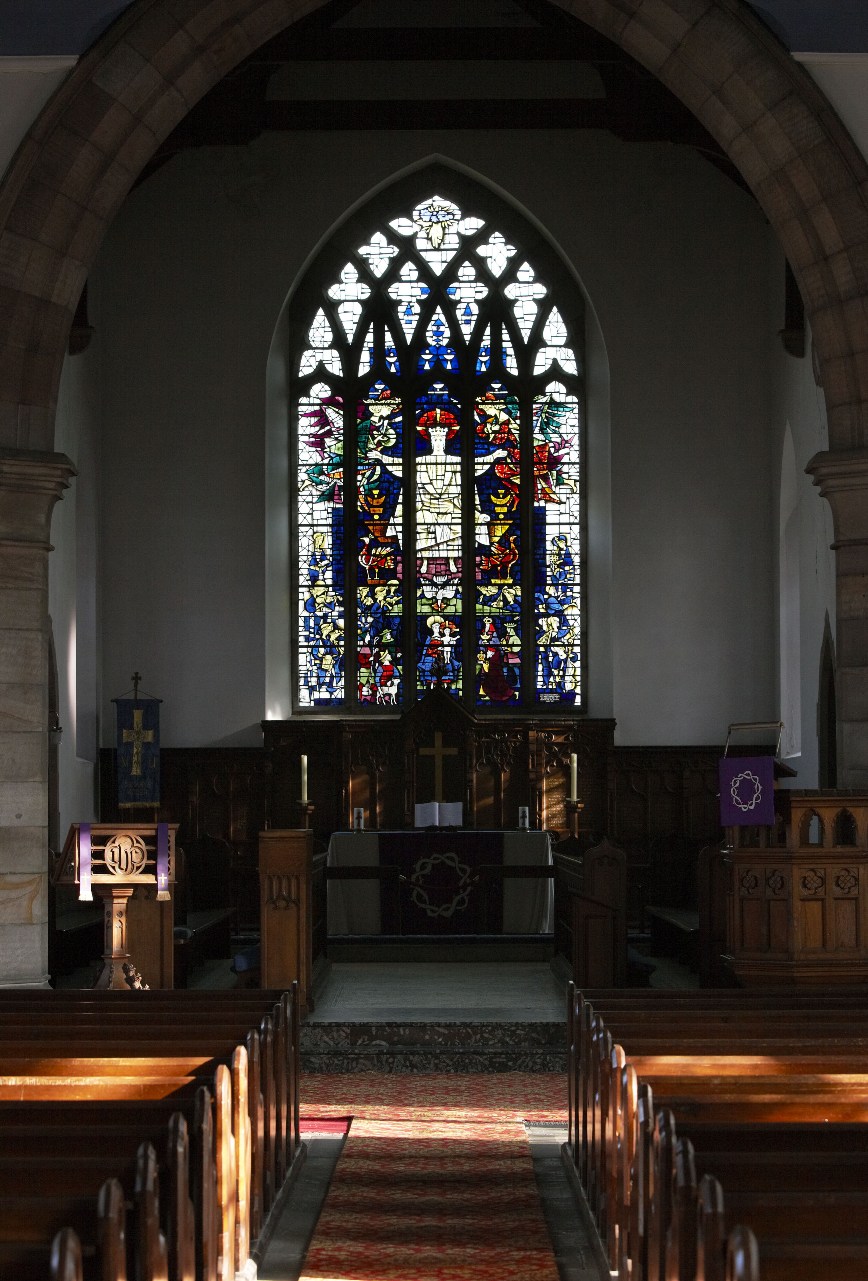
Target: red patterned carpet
<point>435,1182</point>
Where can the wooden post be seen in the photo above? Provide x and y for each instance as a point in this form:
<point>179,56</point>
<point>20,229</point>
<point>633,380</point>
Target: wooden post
<point>116,954</point>
<point>286,910</point>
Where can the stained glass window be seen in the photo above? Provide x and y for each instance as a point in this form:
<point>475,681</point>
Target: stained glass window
<point>437,428</point>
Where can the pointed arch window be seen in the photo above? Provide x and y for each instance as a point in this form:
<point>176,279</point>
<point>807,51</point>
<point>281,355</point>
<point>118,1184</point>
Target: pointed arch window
<point>437,429</point>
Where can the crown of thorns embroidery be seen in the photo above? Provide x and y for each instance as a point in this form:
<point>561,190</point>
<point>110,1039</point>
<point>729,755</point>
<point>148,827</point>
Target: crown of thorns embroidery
<point>423,870</point>
<point>745,790</point>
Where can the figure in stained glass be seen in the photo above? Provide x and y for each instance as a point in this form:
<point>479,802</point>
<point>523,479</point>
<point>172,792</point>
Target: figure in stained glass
<point>461,492</point>
<point>439,664</point>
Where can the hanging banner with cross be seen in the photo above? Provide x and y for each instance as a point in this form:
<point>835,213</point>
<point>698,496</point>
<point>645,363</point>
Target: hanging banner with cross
<point>138,748</point>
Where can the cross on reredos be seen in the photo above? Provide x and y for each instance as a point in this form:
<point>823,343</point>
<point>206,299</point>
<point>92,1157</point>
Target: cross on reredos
<point>438,751</point>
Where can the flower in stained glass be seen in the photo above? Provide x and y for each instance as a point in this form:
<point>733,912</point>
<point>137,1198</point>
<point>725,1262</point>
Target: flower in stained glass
<point>496,253</point>
<point>378,253</point>
<point>436,222</point>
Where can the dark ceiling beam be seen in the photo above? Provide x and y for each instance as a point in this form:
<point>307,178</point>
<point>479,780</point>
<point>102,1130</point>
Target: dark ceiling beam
<point>448,113</point>
<point>411,44</point>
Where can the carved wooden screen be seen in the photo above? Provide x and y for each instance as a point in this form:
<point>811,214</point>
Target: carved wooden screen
<point>437,426</point>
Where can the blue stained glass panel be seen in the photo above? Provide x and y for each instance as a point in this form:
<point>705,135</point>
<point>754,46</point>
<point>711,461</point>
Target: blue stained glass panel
<point>556,445</point>
<point>320,549</point>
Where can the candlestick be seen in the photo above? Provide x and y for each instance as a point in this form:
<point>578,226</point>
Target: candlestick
<point>574,776</point>
<point>304,780</point>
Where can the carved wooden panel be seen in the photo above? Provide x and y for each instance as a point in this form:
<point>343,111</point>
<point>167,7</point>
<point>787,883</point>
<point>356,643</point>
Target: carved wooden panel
<point>659,804</point>
<point>800,910</point>
<point>493,767</point>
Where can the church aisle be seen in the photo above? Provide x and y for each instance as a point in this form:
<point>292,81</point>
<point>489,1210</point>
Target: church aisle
<point>422,991</point>
<point>437,1183</point>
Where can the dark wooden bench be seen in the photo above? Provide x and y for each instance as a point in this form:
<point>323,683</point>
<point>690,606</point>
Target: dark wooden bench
<point>205,914</point>
<point>61,1148</point>
<point>205,935</point>
<point>771,1099</point>
<point>675,933</point>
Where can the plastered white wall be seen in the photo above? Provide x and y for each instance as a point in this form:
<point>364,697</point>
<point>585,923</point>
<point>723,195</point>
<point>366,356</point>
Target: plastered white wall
<point>191,283</point>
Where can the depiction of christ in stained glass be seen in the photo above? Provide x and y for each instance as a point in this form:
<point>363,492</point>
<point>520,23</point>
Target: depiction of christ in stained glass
<point>438,424</point>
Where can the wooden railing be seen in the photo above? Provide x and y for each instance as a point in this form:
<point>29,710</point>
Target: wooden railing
<point>655,1221</point>
<point>200,1194</point>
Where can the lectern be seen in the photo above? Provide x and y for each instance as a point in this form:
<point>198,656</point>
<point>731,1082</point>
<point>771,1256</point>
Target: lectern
<point>131,869</point>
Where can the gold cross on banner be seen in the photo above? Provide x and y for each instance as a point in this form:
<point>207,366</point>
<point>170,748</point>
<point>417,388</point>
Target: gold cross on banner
<point>438,751</point>
<point>137,736</point>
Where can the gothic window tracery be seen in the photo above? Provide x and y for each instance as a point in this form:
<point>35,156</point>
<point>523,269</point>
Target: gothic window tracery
<point>437,421</point>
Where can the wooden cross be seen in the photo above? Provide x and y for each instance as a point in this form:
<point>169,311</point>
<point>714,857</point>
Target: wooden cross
<point>137,736</point>
<point>438,751</point>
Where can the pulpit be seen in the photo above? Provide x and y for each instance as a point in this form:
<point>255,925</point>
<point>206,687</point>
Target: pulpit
<point>131,869</point>
<point>798,892</point>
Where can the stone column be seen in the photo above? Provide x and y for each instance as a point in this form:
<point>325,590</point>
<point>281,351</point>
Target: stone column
<point>842,478</point>
<point>30,485</point>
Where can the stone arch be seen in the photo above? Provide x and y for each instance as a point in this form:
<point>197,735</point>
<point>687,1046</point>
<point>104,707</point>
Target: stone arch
<point>85,150</point>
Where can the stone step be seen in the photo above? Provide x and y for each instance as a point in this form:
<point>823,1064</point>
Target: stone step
<point>444,1046</point>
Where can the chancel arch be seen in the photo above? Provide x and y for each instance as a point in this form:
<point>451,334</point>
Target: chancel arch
<point>84,153</point>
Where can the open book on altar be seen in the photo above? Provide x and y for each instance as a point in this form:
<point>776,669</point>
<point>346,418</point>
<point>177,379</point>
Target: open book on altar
<point>439,814</point>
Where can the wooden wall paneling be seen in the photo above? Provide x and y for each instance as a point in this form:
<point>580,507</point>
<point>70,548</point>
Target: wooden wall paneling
<point>503,776</point>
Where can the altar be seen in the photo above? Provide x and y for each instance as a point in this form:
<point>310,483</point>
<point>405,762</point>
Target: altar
<point>440,881</point>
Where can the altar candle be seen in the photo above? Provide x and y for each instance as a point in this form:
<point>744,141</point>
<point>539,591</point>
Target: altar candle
<point>84,856</point>
<point>574,773</point>
<point>304,780</point>
<point>162,861</point>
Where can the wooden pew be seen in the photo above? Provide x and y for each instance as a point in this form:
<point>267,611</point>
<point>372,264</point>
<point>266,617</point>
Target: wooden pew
<point>732,1108</point>
<point>251,1116</point>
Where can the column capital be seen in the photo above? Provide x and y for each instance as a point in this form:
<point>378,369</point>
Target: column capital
<point>842,478</point>
<point>30,484</point>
